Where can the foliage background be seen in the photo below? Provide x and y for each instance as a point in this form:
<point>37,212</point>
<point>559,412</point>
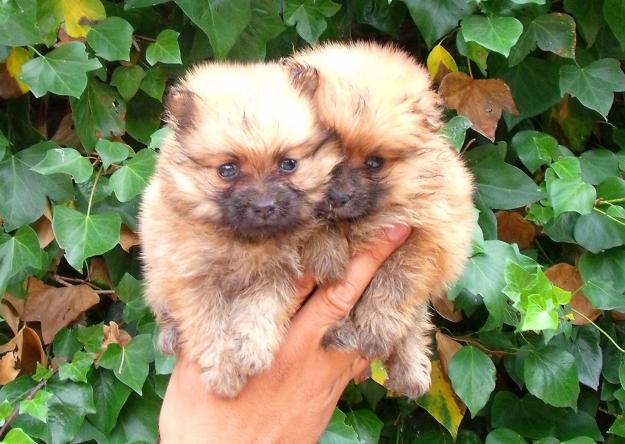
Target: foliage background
<point>517,358</point>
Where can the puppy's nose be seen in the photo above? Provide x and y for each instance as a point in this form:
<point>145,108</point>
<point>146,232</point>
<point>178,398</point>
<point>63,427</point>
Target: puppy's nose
<point>338,198</point>
<point>264,207</point>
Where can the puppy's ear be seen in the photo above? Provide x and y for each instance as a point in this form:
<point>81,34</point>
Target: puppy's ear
<point>180,108</point>
<point>303,77</point>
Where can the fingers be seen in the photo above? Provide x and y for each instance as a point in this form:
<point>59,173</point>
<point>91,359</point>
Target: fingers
<point>331,304</point>
<point>305,286</point>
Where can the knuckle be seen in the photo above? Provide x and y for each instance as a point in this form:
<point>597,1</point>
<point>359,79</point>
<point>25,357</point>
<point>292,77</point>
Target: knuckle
<point>339,298</point>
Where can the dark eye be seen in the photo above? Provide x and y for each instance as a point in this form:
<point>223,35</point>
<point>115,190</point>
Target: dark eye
<point>287,165</point>
<point>374,163</point>
<point>228,170</point>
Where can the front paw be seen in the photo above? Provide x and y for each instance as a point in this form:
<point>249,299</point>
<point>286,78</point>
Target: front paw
<point>342,336</point>
<point>374,346</point>
<point>168,340</point>
<point>411,379</point>
<point>223,383</point>
<point>254,358</point>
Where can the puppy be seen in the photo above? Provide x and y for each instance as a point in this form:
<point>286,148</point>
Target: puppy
<point>226,214</point>
<point>379,103</point>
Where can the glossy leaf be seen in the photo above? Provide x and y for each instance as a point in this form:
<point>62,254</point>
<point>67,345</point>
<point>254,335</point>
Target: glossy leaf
<point>472,375</point>
<point>495,33</point>
<point>165,49</point>
<point>309,17</point>
<point>111,39</point>
<point>551,375</point>
<point>67,161</point>
<point>131,362</point>
<point>131,179</point>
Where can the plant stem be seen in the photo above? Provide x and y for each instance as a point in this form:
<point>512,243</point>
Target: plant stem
<point>32,48</point>
<point>16,410</point>
<point>469,67</point>
<point>95,184</point>
<point>618,347</point>
<point>608,216</point>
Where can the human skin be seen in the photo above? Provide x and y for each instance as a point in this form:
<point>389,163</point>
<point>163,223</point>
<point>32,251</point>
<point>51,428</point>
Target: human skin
<point>293,401</point>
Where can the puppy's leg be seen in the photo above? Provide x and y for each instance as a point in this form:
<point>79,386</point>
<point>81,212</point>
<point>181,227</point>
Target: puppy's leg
<point>168,337</point>
<point>409,365</point>
<point>326,255</point>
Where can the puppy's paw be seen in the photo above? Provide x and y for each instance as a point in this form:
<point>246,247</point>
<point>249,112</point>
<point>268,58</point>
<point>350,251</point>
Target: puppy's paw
<point>168,340</point>
<point>225,384</point>
<point>411,379</point>
<point>253,358</point>
<point>342,336</point>
<point>375,347</point>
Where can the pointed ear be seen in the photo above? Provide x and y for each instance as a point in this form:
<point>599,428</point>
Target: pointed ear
<point>180,108</point>
<point>303,77</point>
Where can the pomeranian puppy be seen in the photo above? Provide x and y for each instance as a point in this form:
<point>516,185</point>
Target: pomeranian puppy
<point>226,214</point>
<point>380,104</point>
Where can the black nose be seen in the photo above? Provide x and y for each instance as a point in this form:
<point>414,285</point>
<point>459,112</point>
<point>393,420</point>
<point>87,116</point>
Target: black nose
<point>338,198</point>
<point>264,207</point>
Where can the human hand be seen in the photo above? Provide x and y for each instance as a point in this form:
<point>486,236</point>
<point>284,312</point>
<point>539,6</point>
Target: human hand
<point>291,402</point>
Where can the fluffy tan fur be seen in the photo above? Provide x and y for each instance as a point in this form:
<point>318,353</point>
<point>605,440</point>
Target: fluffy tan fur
<point>379,101</point>
<point>226,301</point>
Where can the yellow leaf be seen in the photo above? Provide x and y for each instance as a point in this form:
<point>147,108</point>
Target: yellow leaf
<point>441,403</point>
<point>378,372</point>
<point>440,62</point>
<point>77,15</point>
<point>17,57</point>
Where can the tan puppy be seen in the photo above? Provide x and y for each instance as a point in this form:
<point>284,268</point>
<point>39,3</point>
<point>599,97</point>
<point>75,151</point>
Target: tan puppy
<point>380,104</point>
<point>226,214</point>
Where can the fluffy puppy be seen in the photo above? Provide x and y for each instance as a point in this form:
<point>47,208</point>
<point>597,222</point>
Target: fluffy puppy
<point>380,104</point>
<point>227,211</point>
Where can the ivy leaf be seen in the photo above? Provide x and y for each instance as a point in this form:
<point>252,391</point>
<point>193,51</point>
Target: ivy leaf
<point>618,426</point>
<point>157,137</point>
<point>504,436</point>
<point>84,235</point>
<point>551,375</point>
<point>38,406</point>
<point>77,369</point>
<point>62,71</point>
<point>381,14</point>
<point>309,17</point>
<point>605,266</point>
<point>130,363</point>
<point>455,130</point>
<point>265,25</point>
<point>535,149</point>
<point>528,416</point>
<point>472,375</point>
<point>588,16</point>
<point>440,62</point>
<point>435,18</point>
<point>593,84</point>
<point>555,33</point>
<point>112,152</point>
<point>17,436</point>
<point>111,39</point>
<point>76,13</point>
<point>153,84</point>
<point>18,25</point>
<point>98,113</point>
<point>598,165</point>
<point>222,21</point>
<point>495,33</point>
<point>127,80</point>
<point>128,181</point>
<point>571,195</point>
<point>603,296</point>
<point>165,49</point>
<point>110,395</point>
<point>588,355</point>
<point>18,253</point>
<point>130,292</point>
<point>67,161</point>
<point>597,232</point>
<point>367,425</point>
<point>614,13</point>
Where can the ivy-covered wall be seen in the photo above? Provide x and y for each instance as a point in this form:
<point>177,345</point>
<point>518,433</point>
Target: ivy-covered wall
<point>529,345</point>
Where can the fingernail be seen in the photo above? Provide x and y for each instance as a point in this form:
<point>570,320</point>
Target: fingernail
<point>397,232</point>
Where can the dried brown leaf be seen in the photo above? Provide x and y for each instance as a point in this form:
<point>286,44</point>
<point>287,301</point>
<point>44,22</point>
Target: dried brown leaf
<point>65,134</point>
<point>128,239</point>
<point>446,348</point>
<point>10,356</point>
<point>115,335</point>
<point>43,227</point>
<point>567,277</point>
<point>445,307</point>
<point>481,101</point>
<point>32,352</point>
<point>99,273</point>
<point>514,229</point>
<point>10,316</point>
<point>9,88</point>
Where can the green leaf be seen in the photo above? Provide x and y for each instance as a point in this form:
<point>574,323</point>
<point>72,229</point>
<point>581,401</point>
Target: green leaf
<point>598,165</point>
<point>535,149</point>
<point>597,232</point>
<point>62,71</point>
<point>578,425</point>
<point>67,161</point>
<point>91,337</point>
<point>17,436</point>
<point>571,195</point>
<point>130,180</point>
<point>37,407</point>
<point>42,373</point>
<point>110,395</point>
<point>130,292</point>
<point>222,21</point>
<point>455,130</point>
<point>112,152</point>
<point>337,432</point>
<point>157,137</point>
<point>18,23</point>
<point>556,33</point>
<point>435,18</point>
<point>153,84</point>
<point>605,266</point>
<point>66,344</point>
<point>381,14</point>
<point>130,363</point>
<point>84,235</point>
<point>593,84</point>
<point>472,376</point>
<point>588,16</point>
<point>504,436</point>
<point>98,113</point>
<point>111,39</point>
<point>618,426</point>
<point>551,375</point>
<point>309,17</point>
<point>264,26</point>
<point>367,425</point>
<point>527,416</point>
<point>131,4</point>
<point>588,355</point>
<point>165,49</point>
<point>614,13</point>
<point>143,117</point>
<point>77,369</point>
<point>603,296</point>
<point>18,253</point>
<point>127,80</point>
<point>136,423</point>
<point>495,33</point>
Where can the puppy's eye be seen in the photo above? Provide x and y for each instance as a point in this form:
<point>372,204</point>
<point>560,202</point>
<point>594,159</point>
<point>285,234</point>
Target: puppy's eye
<point>287,165</point>
<point>228,170</point>
<point>374,163</point>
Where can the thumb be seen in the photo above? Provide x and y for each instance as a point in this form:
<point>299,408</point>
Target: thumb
<point>331,304</point>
